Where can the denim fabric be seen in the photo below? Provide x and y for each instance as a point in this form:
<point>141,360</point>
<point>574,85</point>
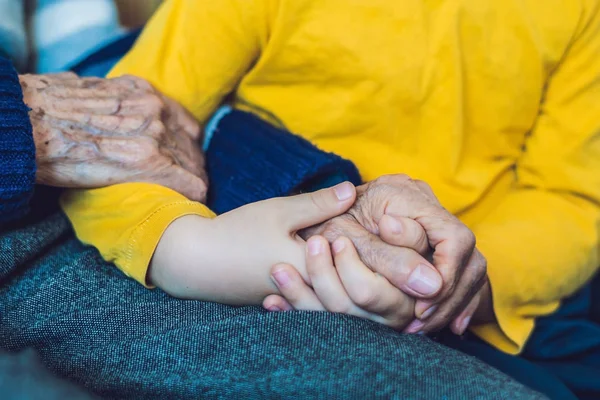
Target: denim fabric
<point>93,326</point>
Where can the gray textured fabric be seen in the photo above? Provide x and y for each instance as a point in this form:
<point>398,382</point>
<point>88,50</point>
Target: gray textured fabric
<point>23,377</point>
<point>95,327</point>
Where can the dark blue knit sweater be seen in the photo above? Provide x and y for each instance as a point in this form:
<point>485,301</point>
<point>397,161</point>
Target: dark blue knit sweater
<point>17,149</point>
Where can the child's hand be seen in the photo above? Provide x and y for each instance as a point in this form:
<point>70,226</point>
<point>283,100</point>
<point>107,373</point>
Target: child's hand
<point>228,259</point>
<point>340,284</point>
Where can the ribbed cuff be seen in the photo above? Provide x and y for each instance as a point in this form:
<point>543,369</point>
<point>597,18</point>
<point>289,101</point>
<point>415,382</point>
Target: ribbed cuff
<point>249,160</point>
<point>17,148</point>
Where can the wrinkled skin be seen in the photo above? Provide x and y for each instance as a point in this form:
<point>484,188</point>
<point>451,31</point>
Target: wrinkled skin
<point>92,132</point>
<point>428,232</point>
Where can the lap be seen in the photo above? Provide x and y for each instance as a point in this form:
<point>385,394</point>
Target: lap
<point>104,331</point>
<point>562,355</point>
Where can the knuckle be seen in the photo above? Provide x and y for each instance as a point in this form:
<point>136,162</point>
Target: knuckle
<point>366,298</point>
<point>393,179</point>
<point>481,267</point>
<point>335,227</point>
<point>138,82</point>
<point>156,128</point>
<point>68,75</point>
<point>422,185</point>
<point>464,234</point>
<point>370,252</point>
<point>146,147</point>
<point>155,104</point>
<point>198,192</point>
<point>319,201</point>
<point>329,230</point>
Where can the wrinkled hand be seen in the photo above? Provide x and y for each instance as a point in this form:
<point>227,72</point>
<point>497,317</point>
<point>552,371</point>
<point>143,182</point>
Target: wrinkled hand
<point>462,266</point>
<point>92,132</point>
<point>395,224</point>
<point>403,262</point>
<point>341,283</point>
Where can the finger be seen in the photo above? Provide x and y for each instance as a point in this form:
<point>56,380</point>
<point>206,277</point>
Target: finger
<point>461,323</point>
<point>309,209</point>
<point>86,88</point>
<point>124,104</point>
<point>370,291</point>
<point>423,186</point>
<point>275,302</point>
<point>134,82</point>
<point>187,151</point>
<point>453,245</point>
<point>324,277</point>
<point>470,283</point>
<point>452,241</point>
<point>404,232</point>
<point>402,267</point>
<point>183,182</point>
<point>293,288</point>
<point>106,125</point>
<point>65,75</point>
<point>179,116</point>
<point>97,106</point>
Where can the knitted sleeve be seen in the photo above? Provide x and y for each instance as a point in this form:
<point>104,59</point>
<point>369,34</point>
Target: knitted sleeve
<point>17,149</point>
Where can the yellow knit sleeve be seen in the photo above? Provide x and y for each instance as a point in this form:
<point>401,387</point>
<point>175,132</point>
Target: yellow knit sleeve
<point>542,242</point>
<point>125,222</point>
<point>197,51</point>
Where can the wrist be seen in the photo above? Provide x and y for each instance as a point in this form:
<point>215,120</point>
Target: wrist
<point>175,263</point>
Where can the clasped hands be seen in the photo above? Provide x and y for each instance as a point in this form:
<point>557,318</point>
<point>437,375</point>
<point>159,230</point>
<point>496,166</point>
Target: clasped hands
<point>396,257</point>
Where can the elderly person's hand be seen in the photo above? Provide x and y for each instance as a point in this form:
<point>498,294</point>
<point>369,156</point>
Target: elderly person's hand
<point>395,224</point>
<point>92,132</point>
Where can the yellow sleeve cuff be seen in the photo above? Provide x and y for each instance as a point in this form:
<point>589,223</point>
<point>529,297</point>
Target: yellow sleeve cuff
<point>125,222</point>
<point>511,332</point>
<point>145,237</point>
<point>515,314</point>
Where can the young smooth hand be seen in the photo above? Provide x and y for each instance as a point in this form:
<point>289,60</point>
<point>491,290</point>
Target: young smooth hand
<point>340,283</point>
<point>227,259</point>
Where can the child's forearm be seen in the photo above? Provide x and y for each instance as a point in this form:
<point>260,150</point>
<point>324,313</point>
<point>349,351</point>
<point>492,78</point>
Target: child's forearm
<point>199,258</point>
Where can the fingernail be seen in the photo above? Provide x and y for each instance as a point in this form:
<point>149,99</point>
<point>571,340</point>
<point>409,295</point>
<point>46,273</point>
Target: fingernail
<point>274,308</point>
<point>464,324</point>
<point>315,246</point>
<point>343,191</point>
<point>395,226</point>
<point>281,278</point>
<point>427,313</point>
<point>338,246</point>
<point>424,280</point>
<point>414,326</point>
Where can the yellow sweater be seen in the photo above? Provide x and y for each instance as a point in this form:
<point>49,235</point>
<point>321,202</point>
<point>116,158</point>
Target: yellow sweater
<point>494,103</point>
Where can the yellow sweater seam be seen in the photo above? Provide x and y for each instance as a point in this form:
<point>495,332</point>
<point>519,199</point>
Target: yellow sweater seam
<point>132,241</point>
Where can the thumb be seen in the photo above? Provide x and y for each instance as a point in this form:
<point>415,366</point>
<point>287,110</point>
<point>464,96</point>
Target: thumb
<point>310,209</point>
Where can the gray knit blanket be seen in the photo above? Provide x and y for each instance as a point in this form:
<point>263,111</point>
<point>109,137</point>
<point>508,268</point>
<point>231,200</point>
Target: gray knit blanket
<point>94,327</point>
